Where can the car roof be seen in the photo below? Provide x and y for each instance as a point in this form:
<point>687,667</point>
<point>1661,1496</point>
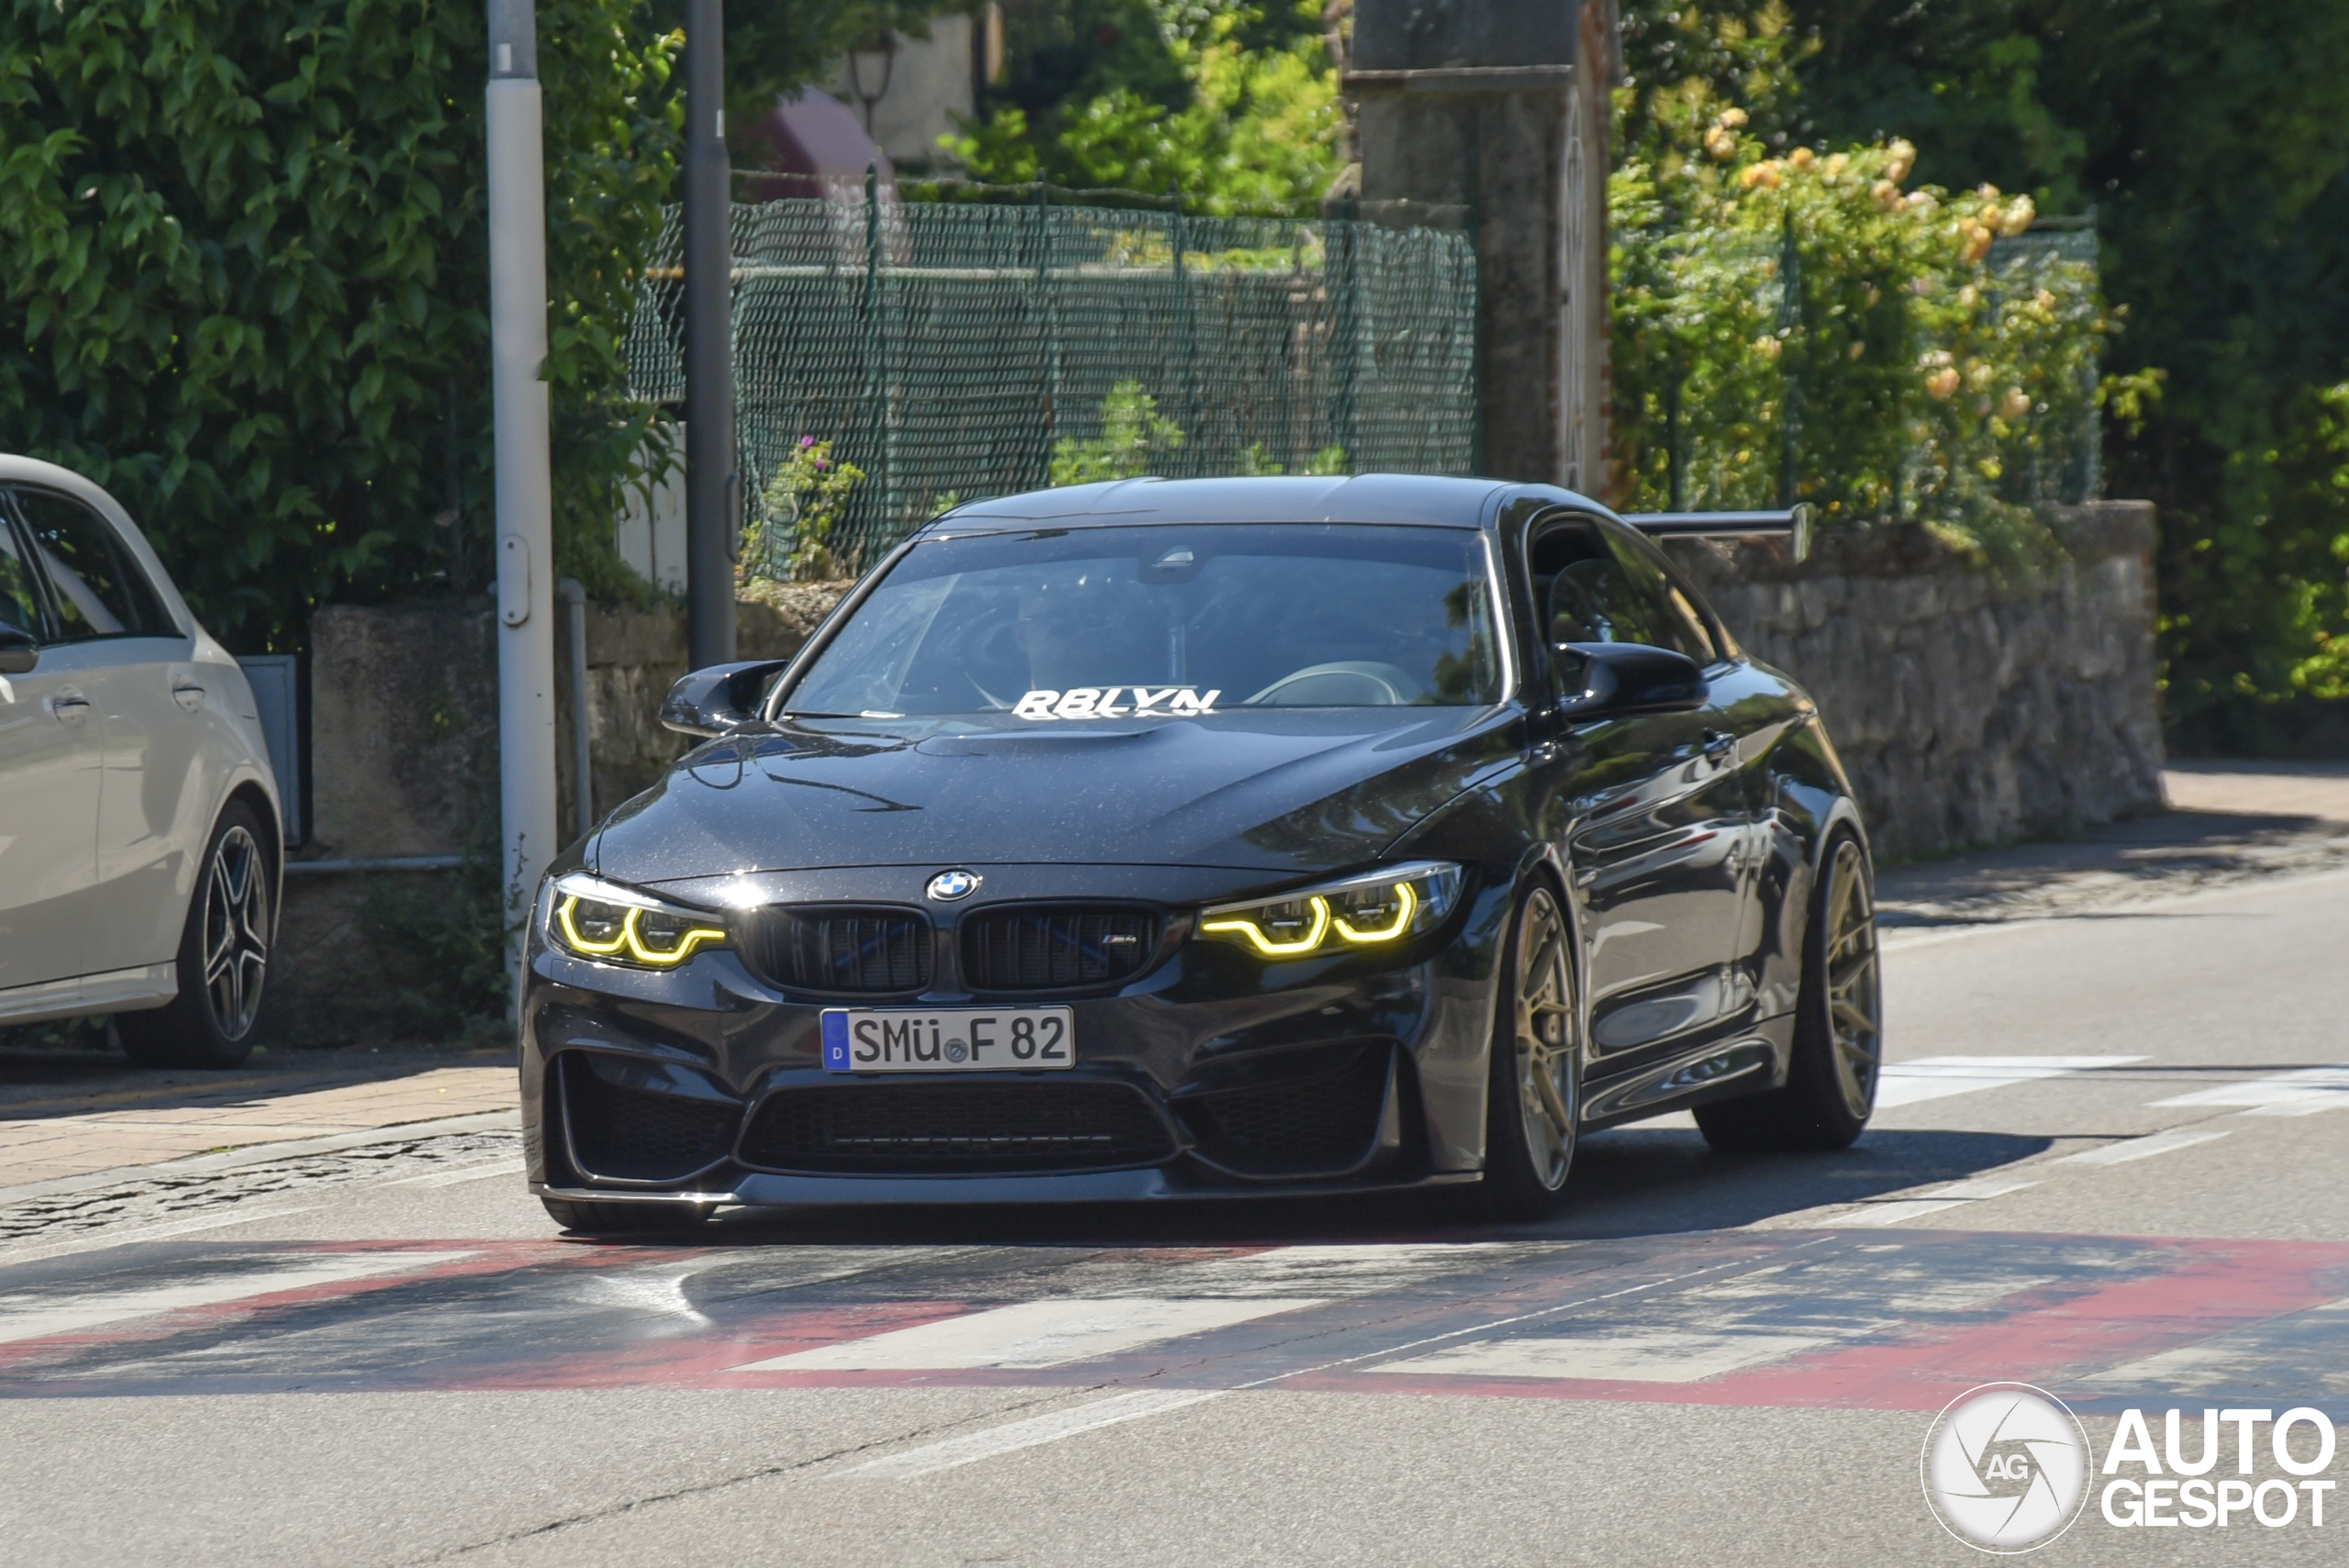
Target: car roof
<point>1365,498</point>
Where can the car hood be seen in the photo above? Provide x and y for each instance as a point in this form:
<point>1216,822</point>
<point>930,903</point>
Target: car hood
<point>1283,790</point>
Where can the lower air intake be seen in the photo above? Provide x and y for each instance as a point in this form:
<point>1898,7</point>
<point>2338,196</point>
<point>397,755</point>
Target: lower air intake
<point>626,1134</point>
<point>947,1128</point>
<point>1313,1126</point>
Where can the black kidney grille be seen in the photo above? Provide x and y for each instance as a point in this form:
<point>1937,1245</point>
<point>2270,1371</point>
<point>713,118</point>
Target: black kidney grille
<point>1055,947</point>
<point>881,1129</point>
<point>852,950</point>
<point>628,1135</point>
<point>1310,1125</point>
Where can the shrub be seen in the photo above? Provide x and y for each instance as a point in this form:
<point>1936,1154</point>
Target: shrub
<point>1806,328</point>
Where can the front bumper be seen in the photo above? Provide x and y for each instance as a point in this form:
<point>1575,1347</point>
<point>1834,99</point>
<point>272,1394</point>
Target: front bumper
<point>1212,1073</point>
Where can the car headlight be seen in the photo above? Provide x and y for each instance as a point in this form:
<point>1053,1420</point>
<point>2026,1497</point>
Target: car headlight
<point>1365,911</point>
<point>593,918</point>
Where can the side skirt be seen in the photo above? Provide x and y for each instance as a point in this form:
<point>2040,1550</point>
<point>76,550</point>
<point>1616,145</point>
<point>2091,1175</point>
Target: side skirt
<point>1743,1064</point>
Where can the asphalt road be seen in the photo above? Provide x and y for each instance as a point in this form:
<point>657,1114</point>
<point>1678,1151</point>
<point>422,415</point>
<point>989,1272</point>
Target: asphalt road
<point>2110,1163</point>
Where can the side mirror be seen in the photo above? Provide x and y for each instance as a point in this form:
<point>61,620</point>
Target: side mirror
<point>20,651</point>
<point>713,701</point>
<point>1619,679</point>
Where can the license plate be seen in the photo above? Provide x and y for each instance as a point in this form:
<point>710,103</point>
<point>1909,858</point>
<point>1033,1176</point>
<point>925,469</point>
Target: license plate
<point>948,1040</point>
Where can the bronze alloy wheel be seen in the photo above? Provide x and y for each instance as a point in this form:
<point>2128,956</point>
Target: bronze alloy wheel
<point>1854,997</point>
<point>1549,1084</point>
<point>1837,1051</point>
<point>1533,1095</point>
<point>236,932</point>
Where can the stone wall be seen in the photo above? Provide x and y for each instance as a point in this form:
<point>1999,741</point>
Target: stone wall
<point>1970,707</point>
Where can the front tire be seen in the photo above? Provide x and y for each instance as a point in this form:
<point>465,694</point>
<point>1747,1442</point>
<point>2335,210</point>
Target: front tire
<point>1830,1090</point>
<point>223,956</point>
<point>1533,1103</point>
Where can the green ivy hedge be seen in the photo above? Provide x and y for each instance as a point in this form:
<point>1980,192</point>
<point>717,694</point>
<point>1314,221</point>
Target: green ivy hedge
<point>246,268</point>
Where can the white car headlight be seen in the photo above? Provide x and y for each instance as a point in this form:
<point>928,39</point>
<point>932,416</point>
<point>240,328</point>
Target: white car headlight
<point>1366,911</point>
<point>589,917</point>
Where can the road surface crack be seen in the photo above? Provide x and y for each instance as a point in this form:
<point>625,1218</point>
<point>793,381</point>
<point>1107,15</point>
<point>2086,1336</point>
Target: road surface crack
<point>763,1473</point>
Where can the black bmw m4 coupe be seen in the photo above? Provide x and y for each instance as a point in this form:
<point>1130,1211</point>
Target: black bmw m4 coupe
<point>1210,838</point>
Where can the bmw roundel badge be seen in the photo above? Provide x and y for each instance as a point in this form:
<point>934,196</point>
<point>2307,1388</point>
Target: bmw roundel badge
<point>949,885</point>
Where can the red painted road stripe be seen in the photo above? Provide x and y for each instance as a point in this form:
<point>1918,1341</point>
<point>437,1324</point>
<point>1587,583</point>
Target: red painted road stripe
<point>488,1258</point>
<point>2226,1285</point>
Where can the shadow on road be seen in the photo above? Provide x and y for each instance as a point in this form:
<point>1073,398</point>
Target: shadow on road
<point>1628,1183</point>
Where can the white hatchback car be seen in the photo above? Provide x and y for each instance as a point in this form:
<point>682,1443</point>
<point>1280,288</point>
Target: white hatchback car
<point>139,838</point>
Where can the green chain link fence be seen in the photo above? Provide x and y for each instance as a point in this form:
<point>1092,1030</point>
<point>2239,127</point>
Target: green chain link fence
<point>958,349</point>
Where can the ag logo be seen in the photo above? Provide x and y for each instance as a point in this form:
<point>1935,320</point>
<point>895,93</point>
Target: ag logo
<point>2005,1467</point>
<point>949,885</point>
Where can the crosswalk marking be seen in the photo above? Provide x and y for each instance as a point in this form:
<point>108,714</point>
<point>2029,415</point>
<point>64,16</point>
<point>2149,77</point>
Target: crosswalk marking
<point>1938,1077</point>
<point>1033,1432</point>
<point>2303,1093</point>
<point>1032,1334</point>
<point>1346,1270</point>
<point>1658,1357</point>
<point>40,1315</point>
<point>2145,1148</point>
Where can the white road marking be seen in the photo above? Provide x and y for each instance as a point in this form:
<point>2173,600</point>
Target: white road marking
<point>2207,1366</point>
<point>1029,1433</point>
<point>1981,1187</point>
<point>2304,1093</point>
<point>2145,1148</point>
<point>461,1174</point>
<point>36,1314</point>
<point>1343,1270</point>
<point>1938,1077</point>
<point>1031,1334</point>
<point>1125,1407</point>
<point>1900,1211</point>
<point>1617,1358</point>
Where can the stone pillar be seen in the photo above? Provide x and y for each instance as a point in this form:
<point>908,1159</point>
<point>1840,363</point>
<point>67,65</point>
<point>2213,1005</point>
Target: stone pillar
<point>1492,115</point>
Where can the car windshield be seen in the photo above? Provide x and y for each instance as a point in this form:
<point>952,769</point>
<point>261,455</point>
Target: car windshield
<point>1167,620</point>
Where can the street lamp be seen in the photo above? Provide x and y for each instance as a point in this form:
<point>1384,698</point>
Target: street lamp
<point>883,47</point>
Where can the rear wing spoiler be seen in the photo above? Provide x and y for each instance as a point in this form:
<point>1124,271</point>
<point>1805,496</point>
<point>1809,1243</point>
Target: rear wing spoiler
<point>1792,524</point>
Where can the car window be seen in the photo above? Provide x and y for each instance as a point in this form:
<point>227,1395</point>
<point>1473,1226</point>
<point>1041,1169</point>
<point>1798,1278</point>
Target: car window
<point>95,589</point>
<point>19,602</point>
<point>1594,589</point>
<point>1161,620</point>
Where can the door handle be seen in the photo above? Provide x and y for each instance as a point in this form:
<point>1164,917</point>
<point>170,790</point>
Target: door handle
<point>1718,741</point>
<point>69,707</point>
<point>189,695</point>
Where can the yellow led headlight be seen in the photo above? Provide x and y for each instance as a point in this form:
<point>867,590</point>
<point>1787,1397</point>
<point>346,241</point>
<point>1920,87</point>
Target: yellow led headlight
<point>1359,912</point>
<point>618,925</point>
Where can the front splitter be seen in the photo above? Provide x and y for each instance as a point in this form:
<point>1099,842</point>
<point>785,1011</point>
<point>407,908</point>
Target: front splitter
<point>769,1191</point>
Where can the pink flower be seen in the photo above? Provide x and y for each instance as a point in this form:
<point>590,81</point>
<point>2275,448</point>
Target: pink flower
<point>807,441</point>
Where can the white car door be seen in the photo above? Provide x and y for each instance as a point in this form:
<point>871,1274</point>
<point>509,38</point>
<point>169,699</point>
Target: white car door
<point>48,803</point>
<point>148,698</point>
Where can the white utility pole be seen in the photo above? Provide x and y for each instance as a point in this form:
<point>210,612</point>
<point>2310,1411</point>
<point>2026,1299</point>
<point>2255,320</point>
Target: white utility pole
<point>713,472</point>
<point>517,333</point>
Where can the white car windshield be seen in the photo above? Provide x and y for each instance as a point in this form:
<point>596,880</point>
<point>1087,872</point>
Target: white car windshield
<point>1166,620</point>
